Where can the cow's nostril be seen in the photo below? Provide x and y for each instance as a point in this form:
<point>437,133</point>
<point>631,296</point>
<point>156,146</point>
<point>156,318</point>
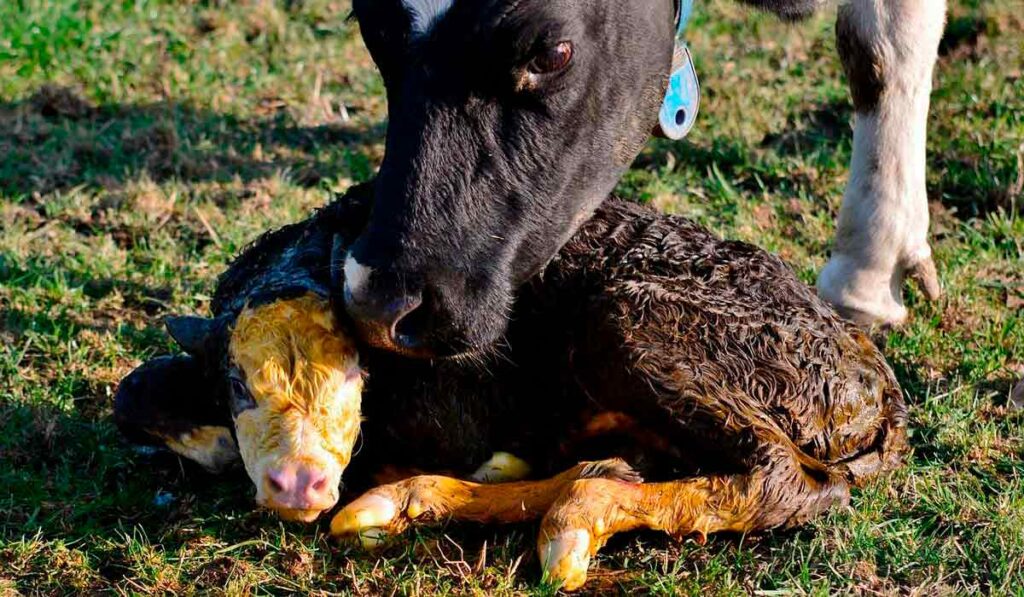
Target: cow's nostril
<point>397,317</point>
<point>387,324</point>
<point>410,330</point>
<point>320,485</point>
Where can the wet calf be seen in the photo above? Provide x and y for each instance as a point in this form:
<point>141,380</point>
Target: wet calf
<point>744,400</point>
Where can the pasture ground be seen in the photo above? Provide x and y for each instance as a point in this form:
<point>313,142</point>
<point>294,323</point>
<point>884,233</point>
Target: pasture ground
<point>144,142</point>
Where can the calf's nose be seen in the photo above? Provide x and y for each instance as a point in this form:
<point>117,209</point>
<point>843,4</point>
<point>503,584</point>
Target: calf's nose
<point>299,487</point>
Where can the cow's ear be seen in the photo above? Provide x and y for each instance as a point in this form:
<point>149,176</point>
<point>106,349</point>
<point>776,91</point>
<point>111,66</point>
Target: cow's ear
<point>193,334</point>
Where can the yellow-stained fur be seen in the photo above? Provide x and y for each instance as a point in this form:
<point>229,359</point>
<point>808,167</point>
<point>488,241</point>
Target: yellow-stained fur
<point>305,379</point>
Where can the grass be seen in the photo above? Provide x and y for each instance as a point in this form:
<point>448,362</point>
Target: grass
<point>143,142</point>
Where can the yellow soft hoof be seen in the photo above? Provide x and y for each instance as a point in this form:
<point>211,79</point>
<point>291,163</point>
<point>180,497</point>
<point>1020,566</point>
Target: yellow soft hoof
<point>373,538</point>
<point>565,558</point>
<point>367,514</point>
<point>502,468</point>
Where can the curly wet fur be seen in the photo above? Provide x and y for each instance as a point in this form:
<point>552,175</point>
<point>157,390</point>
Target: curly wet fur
<point>713,346</point>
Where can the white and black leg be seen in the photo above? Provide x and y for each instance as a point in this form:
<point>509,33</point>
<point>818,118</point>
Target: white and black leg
<point>888,49</point>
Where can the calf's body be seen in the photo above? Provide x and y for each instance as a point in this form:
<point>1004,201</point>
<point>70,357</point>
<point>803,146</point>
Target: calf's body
<point>705,364</point>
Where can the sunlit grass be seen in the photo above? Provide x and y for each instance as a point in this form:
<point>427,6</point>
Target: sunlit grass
<point>142,143</point>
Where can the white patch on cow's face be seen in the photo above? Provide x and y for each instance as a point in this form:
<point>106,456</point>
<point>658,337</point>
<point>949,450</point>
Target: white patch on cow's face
<point>425,13</point>
<point>356,276</point>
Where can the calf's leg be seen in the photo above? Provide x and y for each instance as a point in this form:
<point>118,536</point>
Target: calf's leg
<point>590,511</point>
<point>888,49</point>
<point>390,509</point>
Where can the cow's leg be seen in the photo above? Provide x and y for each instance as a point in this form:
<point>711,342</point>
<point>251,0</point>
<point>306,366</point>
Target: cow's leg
<point>167,403</point>
<point>888,49</point>
<point>592,510</point>
<point>390,509</point>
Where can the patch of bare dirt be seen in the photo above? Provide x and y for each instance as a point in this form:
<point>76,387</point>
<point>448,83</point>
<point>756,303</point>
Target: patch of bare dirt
<point>298,563</point>
<point>217,572</point>
<point>959,316</point>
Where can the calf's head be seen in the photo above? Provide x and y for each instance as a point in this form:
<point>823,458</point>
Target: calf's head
<point>510,121</point>
<point>294,390</point>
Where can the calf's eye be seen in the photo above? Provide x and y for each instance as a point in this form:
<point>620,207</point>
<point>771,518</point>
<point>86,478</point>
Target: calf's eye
<point>552,59</point>
<point>241,397</point>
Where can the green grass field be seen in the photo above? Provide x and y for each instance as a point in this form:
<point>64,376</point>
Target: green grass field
<point>143,142</point>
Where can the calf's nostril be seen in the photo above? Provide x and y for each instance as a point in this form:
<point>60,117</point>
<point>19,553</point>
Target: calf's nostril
<point>276,482</point>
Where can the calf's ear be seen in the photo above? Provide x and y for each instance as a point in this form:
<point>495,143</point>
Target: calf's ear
<point>339,251</point>
<point>195,335</point>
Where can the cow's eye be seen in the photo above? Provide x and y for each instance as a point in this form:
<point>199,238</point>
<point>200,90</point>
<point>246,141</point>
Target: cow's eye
<point>241,397</point>
<point>552,59</point>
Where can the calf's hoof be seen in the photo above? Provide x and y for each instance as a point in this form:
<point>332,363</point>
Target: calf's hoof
<point>565,558</point>
<point>579,523</point>
<point>367,520</point>
<point>389,510</point>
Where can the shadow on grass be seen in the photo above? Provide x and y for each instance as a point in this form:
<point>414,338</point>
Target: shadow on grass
<point>75,482</point>
<point>74,478</point>
<point>824,128</point>
<point>57,140</point>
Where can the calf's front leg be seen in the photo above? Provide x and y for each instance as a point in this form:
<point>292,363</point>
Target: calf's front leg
<point>390,509</point>
<point>888,49</point>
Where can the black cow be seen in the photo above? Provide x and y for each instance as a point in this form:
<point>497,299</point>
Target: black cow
<point>511,121</point>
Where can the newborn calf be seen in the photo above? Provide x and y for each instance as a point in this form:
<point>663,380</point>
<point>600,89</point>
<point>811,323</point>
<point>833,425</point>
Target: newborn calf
<point>271,378</point>
<point>703,363</point>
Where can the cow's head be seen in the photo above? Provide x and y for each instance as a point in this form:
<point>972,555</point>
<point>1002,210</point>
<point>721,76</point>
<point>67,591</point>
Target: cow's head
<point>294,390</point>
<point>510,121</point>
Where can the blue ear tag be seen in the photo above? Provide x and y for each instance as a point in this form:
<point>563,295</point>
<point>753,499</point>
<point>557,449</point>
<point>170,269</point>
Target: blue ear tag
<point>682,99</point>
